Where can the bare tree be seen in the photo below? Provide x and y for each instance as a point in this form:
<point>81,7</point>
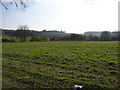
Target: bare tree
<point>19,4</point>
<point>22,33</point>
<point>23,27</point>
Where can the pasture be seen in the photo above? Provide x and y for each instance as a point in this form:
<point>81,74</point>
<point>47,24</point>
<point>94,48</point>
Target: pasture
<point>92,64</point>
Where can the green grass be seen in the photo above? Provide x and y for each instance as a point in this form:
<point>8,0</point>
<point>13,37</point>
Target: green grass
<point>91,64</point>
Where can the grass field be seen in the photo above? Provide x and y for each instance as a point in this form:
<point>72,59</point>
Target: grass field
<point>92,64</point>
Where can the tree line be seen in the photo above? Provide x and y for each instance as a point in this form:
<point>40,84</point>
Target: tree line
<point>23,34</point>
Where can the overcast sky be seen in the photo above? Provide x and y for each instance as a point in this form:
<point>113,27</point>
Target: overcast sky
<point>72,16</point>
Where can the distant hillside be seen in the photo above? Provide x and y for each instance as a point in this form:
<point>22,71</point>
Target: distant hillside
<point>7,32</point>
<point>95,33</point>
<point>50,33</point>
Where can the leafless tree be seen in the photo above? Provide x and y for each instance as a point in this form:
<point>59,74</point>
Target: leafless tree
<point>23,27</point>
<point>19,4</point>
<point>22,33</point>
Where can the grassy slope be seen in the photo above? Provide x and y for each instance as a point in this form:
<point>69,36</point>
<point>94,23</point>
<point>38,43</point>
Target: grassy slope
<point>60,64</point>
